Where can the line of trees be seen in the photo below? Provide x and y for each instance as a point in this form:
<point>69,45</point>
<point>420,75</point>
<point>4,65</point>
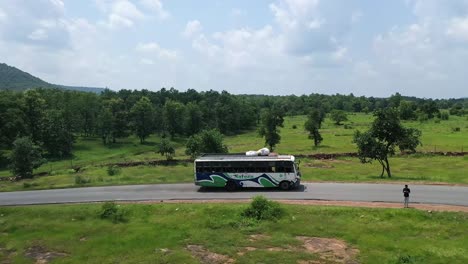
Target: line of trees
<point>52,118</point>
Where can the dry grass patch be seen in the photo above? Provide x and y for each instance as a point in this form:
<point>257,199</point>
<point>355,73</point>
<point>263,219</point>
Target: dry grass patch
<point>330,249</point>
<point>42,255</point>
<point>207,257</point>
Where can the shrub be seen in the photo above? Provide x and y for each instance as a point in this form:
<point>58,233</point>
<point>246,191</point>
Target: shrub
<point>294,127</point>
<point>81,180</point>
<point>456,129</point>
<point>28,184</point>
<point>113,212</point>
<point>444,116</point>
<point>346,126</point>
<point>113,170</point>
<point>262,209</point>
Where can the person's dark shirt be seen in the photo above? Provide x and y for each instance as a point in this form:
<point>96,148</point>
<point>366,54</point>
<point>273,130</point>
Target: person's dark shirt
<point>406,191</point>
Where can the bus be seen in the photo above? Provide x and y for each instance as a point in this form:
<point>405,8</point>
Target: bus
<point>233,171</point>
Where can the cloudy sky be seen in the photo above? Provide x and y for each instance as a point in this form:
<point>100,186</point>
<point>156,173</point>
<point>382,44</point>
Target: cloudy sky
<point>367,47</point>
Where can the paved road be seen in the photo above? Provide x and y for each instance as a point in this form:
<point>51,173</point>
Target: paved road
<point>453,195</point>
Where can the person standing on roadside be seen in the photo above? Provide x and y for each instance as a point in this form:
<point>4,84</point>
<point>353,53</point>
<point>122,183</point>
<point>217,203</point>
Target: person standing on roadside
<point>406,192</point>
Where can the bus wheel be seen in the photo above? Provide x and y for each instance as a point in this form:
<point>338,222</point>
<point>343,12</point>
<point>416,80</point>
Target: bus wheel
<point>231,186</point>
<point>285,185</point>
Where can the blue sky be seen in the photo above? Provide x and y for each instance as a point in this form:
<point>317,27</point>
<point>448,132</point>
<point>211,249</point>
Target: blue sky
<point>373,48</point>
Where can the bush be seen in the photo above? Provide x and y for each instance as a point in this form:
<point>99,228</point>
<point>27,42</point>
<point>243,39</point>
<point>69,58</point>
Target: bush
<point>346,126</point>
<point>113,212</point>
<point>81,180</point>
<point>113,170</point>
<point>262,209</point>
<point>444,116</point>
<point>294,127</point>
<point>456,129</point>
<point>28,185</point>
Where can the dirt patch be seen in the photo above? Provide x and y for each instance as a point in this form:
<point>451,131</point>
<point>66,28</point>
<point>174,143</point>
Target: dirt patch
<point>318,166</point>
<point>330,249</point>
<point>207,257</point>
<point>41,255</point>
<point>245,250</point>
<point>257,237</point>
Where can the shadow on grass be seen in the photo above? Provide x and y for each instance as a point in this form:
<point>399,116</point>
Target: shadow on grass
<point>398,178</point>
<point>301,188</point>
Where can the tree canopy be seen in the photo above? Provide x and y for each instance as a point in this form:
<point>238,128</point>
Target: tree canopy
<point>384,136</point>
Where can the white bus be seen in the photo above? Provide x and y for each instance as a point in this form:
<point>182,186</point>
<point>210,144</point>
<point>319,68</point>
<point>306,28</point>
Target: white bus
<point>234,171</point>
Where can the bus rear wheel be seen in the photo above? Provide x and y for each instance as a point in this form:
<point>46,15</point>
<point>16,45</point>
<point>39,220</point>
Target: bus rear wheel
<point>285,185</point>
<point>231,186</point>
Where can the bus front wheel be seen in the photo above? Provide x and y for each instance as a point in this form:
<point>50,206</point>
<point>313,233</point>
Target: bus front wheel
<point>285,185</point>
<point>231,186</point>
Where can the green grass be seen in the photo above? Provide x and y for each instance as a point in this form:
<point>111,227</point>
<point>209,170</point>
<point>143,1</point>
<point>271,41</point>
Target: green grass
<point>380,235</point>
<point>407,169</point>
<point>338,139</point>
<point>90,154</point>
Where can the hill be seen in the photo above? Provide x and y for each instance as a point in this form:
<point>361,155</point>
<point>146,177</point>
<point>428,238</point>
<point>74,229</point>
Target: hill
<point>12,78</point>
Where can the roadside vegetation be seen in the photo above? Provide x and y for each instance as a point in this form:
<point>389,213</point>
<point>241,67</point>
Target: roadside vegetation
<point>160,233</point>
<point>74,138</point>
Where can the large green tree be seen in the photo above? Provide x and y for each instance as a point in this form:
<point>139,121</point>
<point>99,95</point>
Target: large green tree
<point>338,116</point>
<point>33,106</point>
<point>142,115</point>
<point>25,157</point>
<point>174,117</point>
<point>194,120</point>
<point>384,136</point>
<point>271,121</point>
<point>207,141</point>
<point>313,124</point>
<point>57,137</point>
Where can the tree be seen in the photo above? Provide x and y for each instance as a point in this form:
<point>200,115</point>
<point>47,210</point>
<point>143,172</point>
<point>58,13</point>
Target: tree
<point>313,124</point>
<point>105,124</point>
<point>33,108</point>
<point>271,119</point>
<point>25,157</point>
<point>57,137</point>
<point>194,119</point>
<point>173,117</point>
<point>165,148</point>
<point>142,116</point>
<point>207,141</point>
<point>338,116</point>
<point>385,134</point>
<point>118,118</point>
<point>407,110</point>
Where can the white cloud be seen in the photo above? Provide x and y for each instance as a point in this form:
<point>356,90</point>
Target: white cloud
<point>38,34</point>
<point>3,15</point>
<point>121,13</point>
<point>237,12</point>
<point>458,28</point>
<point>155,49</point>
<point>146,61</point>
<point>156,6</point>
<point>192,28</point>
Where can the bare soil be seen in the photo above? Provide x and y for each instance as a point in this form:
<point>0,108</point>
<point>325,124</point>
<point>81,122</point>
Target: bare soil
<point>42,255</point>
<point>207,257</point>
<point>330,249</point>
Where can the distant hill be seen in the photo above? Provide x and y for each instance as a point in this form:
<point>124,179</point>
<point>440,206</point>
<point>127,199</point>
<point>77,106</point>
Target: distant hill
<point>12,78</point>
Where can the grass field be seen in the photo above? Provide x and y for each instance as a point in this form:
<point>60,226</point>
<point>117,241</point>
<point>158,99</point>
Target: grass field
<point>407,169</point>
<point>90,154</point>
<point>162,233</point>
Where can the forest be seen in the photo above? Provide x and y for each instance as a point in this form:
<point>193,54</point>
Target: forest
<point>54,118</point>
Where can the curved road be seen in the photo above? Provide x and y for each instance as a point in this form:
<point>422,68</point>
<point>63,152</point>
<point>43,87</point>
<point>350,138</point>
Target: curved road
<point>433,194</point>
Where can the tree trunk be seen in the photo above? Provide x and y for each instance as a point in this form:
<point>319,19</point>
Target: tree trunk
<point>383,169</point>
<point>388,168</point>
